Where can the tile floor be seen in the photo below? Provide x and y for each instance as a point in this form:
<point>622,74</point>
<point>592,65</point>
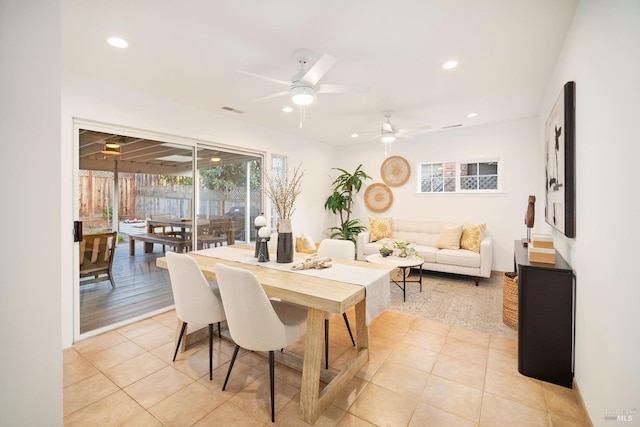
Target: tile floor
<point>420,373</point>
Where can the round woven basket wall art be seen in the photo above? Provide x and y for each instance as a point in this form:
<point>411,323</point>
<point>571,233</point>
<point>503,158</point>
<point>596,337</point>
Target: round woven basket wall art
<point>378,197</point>
<point>395,171</point>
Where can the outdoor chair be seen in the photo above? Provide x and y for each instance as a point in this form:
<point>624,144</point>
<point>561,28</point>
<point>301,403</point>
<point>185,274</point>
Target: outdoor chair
<point>96,257</point>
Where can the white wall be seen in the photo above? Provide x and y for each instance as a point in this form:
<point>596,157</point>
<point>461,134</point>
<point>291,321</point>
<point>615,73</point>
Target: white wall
<point>515,142</point>
<point>31,358</point>
<point>97,101</point>
<point>602,55</point>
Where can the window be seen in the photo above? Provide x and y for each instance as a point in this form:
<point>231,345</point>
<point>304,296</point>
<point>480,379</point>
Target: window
<point>460,177</point>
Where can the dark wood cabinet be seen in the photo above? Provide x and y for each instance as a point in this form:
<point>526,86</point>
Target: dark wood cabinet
<point>546,318</point>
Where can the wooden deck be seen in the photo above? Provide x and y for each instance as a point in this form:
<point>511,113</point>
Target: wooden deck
<point>141,287</point>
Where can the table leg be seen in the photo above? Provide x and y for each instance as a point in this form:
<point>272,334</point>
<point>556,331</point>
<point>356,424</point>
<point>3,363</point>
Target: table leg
<point>311,365</point>
<point>404,284</point>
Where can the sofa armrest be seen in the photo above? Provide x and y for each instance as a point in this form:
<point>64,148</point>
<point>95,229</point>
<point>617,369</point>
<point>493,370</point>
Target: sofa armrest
<point>363,239</point>
<point>486,257</point>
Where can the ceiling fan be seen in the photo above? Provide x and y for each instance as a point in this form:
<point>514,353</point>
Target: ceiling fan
<point>389,132</point>
<point>304,86</point>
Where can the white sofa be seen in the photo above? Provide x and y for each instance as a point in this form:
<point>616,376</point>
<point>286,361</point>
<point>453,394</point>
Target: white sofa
<point>424,235</point>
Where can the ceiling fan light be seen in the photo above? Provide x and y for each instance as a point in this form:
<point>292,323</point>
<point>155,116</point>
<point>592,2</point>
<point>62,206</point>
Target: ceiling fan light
<point>302,95</point>
<point>110,150</point>
<point>112,145</point>
<point>388,138</point>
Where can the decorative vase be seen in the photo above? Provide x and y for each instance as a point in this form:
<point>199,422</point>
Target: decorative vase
<point>285,241</point>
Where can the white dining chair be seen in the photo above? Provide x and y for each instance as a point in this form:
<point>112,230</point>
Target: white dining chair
<point>255,322</point>
<point>195,299</point>
<point>336,249</point>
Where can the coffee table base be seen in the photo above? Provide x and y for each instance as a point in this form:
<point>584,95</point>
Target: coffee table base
<point>403,285</point>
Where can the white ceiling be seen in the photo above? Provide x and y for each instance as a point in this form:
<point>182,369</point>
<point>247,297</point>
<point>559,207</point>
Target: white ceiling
<point>189,52</point>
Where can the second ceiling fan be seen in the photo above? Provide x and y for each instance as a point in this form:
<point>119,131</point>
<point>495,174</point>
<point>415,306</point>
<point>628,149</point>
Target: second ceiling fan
<point>389,132</point>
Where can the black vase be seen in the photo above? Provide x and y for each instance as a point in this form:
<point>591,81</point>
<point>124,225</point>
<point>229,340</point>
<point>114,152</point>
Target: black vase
<point>284,252</point>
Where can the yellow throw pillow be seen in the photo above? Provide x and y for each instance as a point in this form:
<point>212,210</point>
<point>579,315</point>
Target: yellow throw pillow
<point>379,228</point>
<point>450,237</point>
<point>472,235</point>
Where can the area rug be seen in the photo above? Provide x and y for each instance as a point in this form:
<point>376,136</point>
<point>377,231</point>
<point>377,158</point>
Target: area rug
<point>455,300</point>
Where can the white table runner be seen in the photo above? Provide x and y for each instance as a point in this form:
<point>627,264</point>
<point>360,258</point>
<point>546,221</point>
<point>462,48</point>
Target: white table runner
<point>376,282</point>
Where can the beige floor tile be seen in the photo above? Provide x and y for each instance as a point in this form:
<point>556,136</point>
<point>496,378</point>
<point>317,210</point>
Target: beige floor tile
<point>289,416</point>
<point>504,362</point>
<point>470,336</point>
<point>99,343</point>
<point>188,405</point>
<point>230,415</point>
<point>83,393</point>
<point>465,350</point>
<point>427,415</point>
<point>243,374</point>
<point>155,338</point>
<point>168,319</point>
<point>115,355</point>
<point>134,369</point>
<point>371,367</point>
<point>77,370</point>
<point>143,419</point>
<point>423,339</point>
<point>499,412</point>
<point>459,370</point>
<point>458,399</point>
<point>139,328</point>
<point>350,393</point>
<point>416,357</point>
<point>114,410</point>
<point>516,387</point>
<point>563,421</point>
<point>432,326</point>
<point>383,407</point>
<point>349,420</point>
<point>404,380</point>
<point>157,386</point>
<point>255,398</point>
<point>504,345</point>
<point>196,365</point>
<point>562,401</point>
<point>70,355</point>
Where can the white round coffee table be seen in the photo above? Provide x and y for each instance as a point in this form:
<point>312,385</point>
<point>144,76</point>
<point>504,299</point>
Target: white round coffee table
<point>403,263</point>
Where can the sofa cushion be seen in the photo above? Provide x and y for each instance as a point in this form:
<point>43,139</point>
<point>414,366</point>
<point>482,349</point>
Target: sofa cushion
<point>428,253</point>
<point>450,237</point>
<point>379,228</point>
<point>459,257</point>
<point>472,235</point>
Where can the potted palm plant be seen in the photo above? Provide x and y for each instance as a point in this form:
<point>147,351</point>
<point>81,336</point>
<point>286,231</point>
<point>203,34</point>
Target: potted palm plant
<point>340,202</point>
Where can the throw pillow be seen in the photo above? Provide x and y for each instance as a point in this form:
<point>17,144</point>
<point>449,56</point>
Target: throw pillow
<point>379,228</point>
<point>308,243</point>
<point>450,237</point>
<point>472,235</point>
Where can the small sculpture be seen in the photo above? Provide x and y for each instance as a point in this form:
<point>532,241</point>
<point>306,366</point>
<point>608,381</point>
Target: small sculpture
<point>529,219</point>
<point>313,261</point>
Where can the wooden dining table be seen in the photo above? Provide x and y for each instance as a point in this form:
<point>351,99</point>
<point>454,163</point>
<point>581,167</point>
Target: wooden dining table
<point>319,295</point>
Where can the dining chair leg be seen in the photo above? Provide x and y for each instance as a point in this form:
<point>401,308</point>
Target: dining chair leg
<point>346,322</point>
<point>184,328</point>
<point>326,343</point>
<point>210,351</point>
<point>219,331</point>
<point>271,375</point>
<point>233,359</point>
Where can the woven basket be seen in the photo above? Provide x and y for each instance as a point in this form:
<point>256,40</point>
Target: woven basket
<point>510,300</point>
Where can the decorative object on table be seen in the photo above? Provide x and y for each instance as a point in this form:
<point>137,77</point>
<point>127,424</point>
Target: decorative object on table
<point>314,261</point>
<point>259,222</point>
<point>378,197</point>
<point>510,300</point>
<point>560,171</point>
<point>263,238</point>
<point>395,171</point>
<point>529,219</point>
<point>385,251</point>
<point>283,193</point>
<point>404,249</point>
<point>340,202</point>
<point>541,249</point>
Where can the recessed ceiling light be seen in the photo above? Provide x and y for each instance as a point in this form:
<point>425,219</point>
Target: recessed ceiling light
<point>287,109</point>
<point>472,115</point>
<point>450,64</point>
<point>117,42</point>
<point>355,135</point>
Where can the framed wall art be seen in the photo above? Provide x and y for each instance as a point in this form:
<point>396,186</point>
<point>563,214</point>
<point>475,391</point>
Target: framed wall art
<point>560,168</point>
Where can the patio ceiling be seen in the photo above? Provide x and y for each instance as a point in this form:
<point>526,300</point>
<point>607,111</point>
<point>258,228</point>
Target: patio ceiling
<point>139,155</point>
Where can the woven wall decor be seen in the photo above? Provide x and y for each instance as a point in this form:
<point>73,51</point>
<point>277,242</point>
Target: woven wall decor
<point>378,197</point>
<point>395,171</point>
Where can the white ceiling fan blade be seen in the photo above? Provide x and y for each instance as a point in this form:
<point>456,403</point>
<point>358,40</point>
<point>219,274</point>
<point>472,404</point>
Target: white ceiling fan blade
<point>281,82</point>
<point>416,131</point>
<point>319,69</point>
<point>387,127</point>
<point>331,88</point>
<point>404,135</point>
<point>275,95</point>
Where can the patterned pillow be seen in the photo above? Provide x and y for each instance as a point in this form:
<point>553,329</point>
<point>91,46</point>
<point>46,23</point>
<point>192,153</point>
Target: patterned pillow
<point>379,228</point>
<point>472,235</point>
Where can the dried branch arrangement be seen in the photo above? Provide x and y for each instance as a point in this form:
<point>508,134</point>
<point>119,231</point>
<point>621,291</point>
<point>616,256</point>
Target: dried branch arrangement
<point>283,192</point>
